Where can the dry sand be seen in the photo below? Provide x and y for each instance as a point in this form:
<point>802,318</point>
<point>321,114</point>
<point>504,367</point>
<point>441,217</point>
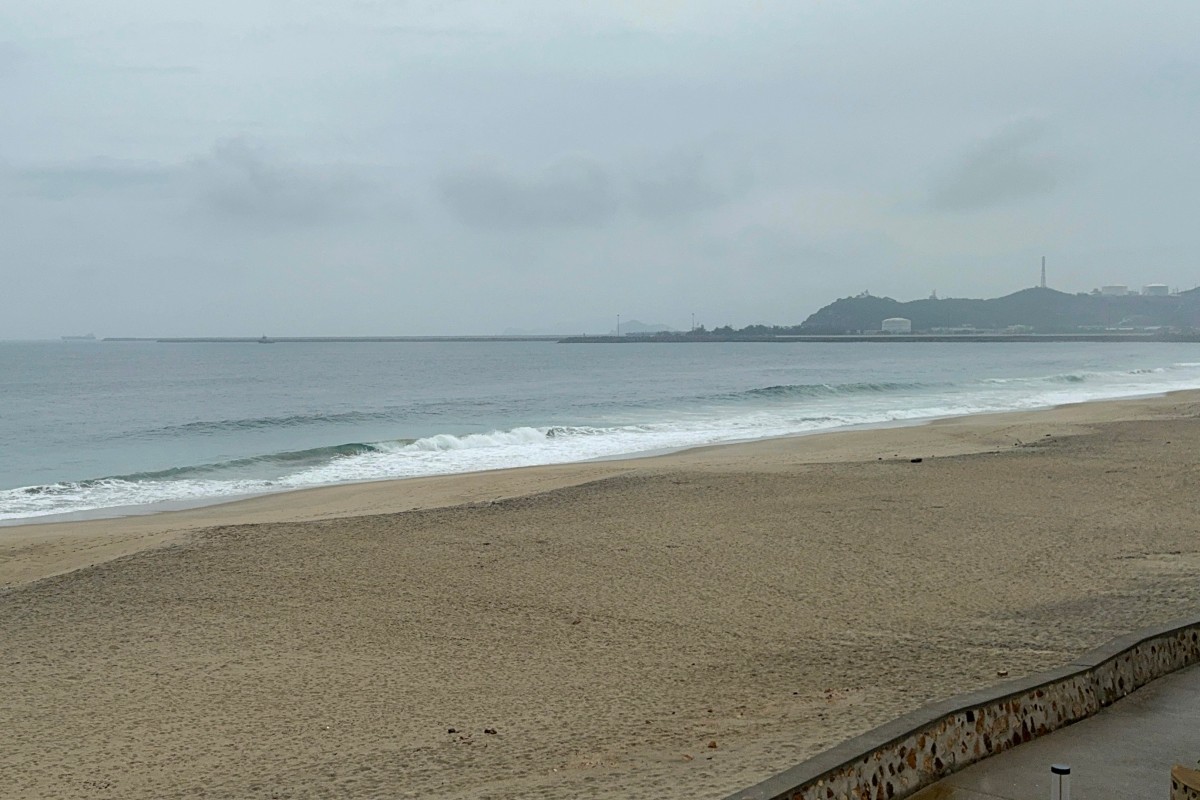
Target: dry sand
<point>610,622</point>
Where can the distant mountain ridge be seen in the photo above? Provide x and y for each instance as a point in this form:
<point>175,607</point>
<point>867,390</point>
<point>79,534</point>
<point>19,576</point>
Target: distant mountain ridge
<point>1040,310</point>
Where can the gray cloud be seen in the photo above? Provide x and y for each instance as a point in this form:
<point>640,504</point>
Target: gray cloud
<point>1006,167</point>
<point>577,191</point>
<point>156,69</point>
<point>681,185</point>
<point>10,57</point>
<point>236,183</point>
<point>242,183</point>
<point>1177,80</point>
<point>572,192</point>
<point>90,177</point>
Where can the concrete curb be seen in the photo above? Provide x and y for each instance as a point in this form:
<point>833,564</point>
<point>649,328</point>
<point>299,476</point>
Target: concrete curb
<point>903,756</point>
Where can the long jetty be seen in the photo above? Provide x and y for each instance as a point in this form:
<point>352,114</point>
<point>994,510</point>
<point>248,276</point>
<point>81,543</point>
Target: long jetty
<point>335,339</point>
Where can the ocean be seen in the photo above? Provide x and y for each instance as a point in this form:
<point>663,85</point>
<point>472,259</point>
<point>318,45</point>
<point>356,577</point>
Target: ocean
<point>106,428</point>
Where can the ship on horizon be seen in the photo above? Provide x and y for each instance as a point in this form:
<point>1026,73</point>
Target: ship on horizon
<point>87,337</point>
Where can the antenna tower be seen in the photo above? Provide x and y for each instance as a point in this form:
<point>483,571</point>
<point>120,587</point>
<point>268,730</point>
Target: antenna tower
<point>1043,272</point>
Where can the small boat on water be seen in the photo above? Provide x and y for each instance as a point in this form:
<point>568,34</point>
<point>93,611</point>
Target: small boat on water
<point>265,340</point>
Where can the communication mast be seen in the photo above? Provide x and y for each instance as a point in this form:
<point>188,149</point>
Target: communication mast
<point>1043,272</point>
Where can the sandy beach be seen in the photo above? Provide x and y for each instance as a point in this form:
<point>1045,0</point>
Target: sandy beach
<point>677,626</point>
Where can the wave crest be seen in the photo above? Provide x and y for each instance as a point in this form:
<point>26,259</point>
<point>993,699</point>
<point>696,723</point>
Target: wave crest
<point>202,427</point>
<point>829,389</point>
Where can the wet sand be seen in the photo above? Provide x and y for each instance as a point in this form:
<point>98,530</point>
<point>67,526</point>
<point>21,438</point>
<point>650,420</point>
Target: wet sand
<point>677,626</point>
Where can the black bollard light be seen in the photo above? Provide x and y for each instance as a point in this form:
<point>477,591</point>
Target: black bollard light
<point>1060,782</point>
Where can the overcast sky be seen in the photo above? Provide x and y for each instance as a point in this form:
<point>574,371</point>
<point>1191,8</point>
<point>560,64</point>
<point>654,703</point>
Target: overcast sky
<point>389,167</point>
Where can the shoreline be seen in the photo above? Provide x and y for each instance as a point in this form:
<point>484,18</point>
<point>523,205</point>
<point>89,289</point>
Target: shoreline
<point>192,504</point>
<point>101,538</point>
<point>685,624</point>
<point>171,506</point>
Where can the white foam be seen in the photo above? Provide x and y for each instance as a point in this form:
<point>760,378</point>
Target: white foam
<point>528,446</point>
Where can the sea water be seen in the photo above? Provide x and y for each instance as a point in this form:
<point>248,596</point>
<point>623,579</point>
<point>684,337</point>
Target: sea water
<point>89,426</point>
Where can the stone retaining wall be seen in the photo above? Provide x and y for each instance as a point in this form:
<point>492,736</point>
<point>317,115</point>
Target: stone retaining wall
<point>903,756</point>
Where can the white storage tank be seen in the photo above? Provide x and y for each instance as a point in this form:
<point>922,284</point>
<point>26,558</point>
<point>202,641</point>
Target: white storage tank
<point>897,325</point>
<point>1156,289</point>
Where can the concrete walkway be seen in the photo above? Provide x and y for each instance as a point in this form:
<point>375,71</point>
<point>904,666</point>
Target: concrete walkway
<point>1123,753</point>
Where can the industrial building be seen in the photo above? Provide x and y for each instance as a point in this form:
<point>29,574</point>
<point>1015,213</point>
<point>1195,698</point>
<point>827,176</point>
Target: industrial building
<point>897,325</point>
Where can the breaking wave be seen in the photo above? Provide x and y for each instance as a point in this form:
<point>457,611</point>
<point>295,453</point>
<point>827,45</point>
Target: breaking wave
<point>759,412</point>
<point>829,390</point>
<point>203,427</point>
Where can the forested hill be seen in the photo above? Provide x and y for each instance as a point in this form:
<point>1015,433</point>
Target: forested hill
<point>1043,310</point>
